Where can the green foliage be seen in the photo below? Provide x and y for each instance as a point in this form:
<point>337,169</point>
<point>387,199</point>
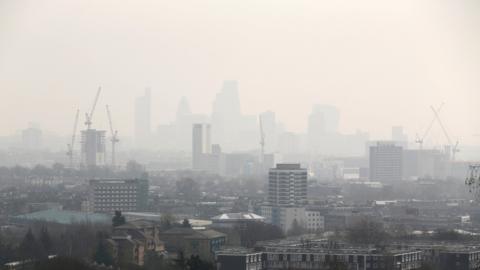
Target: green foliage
<point>118,219</point>
<point>166,221</point>
<point>189,189</point>
<point>186,223</point>
<point>61,263</point>
<point>195,263</point>
<point>447,235</point>
<point>30,248</point>
<point>45,240</point>
<point>296,229</point>
<point>367,232</point>
<point>102,255</point>
<point>253,232</point>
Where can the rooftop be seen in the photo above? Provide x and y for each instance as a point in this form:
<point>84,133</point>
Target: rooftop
<point>237,217</point>
<point>65,217</point>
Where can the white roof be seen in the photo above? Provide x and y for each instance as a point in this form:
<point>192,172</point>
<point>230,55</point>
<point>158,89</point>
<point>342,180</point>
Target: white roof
<point>238,216</point>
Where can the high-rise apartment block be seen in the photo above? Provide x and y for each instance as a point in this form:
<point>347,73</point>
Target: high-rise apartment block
<point>287,185</point>
<point>110,195</point>
<point>386,162</point>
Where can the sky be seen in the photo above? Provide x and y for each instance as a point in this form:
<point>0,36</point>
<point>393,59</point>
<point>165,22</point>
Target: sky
<point>381,62</point>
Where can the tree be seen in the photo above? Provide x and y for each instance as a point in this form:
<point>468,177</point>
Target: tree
<point>154,261</point>
<point>446,235</point>
<point>195,263</point>
<point>189,189</point>
<point>102,255</point>
<point>296,229</point>
<point>134,169</point>
<point>367,232</point>
<point>186,223</point>
<point>61,263</point>
<point>252,232</point>
<point>30,249</point>
<point>166,221</point>
<point>118,219</point>
<point>45,240</point>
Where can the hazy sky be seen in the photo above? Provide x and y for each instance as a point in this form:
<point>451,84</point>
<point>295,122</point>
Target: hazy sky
<point>381,62</point>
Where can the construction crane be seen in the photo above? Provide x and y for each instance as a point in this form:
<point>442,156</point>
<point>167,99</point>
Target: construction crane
<point>453,147</point>
<point>88,116</point>
<point>262,140</point>
<point>114,136</point>
<point>71,145</point>
<point>420,140</point>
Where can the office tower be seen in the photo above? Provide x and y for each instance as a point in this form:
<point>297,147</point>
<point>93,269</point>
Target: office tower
<point>227,102</point>
<point>323,119</point>
<point>322,133</point>
<point>201,145</point>
<point>183,110</point>
<point>142,120</point>
<point>226,114</point>
<point>110,195</point>
<point>32,138</point>
<point>287,185</point>
<point>399,137</point>
<point>386,162</point>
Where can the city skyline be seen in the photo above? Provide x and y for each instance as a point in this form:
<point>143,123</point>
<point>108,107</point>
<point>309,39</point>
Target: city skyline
<point>397,71</point>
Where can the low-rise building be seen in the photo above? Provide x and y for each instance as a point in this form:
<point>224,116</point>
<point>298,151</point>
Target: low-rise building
<point>202,243</point>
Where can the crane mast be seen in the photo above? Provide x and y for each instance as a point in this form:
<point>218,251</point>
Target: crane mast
<point>114,136</point>
<point>71,145</point>
<point>262,140</point>
<point>420,140</point>
<point>453,147</point>
<point>89,116</point>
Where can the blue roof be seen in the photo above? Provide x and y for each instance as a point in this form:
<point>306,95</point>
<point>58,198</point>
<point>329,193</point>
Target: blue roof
<point>64,217</point>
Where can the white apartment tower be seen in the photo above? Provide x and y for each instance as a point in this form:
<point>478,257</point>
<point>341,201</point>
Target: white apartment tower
<point>287,186</point>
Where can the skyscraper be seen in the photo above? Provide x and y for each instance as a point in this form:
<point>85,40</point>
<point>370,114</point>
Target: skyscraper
<point>324,119</point>
<point>323,136</point>
<point>287,186</point>
<point>399,137</point>
<point>226,114</point>
<point>386,162</point>
<point>142,120</point>
<point>32,138</point>
<point>201,145</point>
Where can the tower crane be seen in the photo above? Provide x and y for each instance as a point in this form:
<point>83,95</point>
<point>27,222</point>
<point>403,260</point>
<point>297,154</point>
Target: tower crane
<point>454,147</point>
<point>262,140</point>
<point>88,116</point>
<point>71,145</point>
<point>420,140</point>
<point>114,136</point>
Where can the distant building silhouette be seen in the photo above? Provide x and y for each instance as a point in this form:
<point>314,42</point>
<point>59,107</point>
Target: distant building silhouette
<point>143,120</point>
<point>32,138</point>
<point>399,137</point>
<point>201,145</point>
